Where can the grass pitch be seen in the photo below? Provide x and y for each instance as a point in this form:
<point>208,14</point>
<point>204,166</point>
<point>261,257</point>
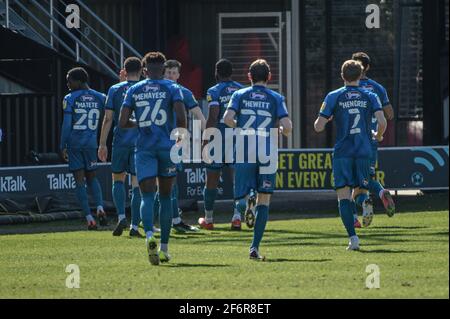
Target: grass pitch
<point>306,259</point>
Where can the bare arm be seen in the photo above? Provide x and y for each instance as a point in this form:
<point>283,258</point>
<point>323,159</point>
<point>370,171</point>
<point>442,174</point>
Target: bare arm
<point>106,127</point>
<point>382,125</point>
<point>180,112</point>
<point>213,116</point>
<point>388,112</point>
<point>320,124</point>
<point>198,114</point>
<point>285,126</point>
<point>228,118</point>
<point>124,118</point>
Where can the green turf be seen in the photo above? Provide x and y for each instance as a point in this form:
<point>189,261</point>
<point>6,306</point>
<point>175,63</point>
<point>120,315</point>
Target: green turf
<point>306,259</point>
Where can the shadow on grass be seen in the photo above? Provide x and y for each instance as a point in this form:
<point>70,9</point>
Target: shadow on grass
<point>282,260</point>
<point>184,265</point>
<point>388,251</point>
<point>399,227</point>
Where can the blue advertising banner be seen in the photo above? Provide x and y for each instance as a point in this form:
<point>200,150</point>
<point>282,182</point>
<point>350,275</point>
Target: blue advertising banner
<point>307,170</point>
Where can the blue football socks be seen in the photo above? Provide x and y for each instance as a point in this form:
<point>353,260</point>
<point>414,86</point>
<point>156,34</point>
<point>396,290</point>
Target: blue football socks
<point>165,217</point>
<point>118,194</point>
<point>262,215</point>
<point>96,191</point>
<point>82,197</point>
<point>135,207</point>
<point>346,212</point>
<point>147,202</point>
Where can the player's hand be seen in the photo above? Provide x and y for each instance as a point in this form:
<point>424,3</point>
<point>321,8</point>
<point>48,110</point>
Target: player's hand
<point>330,118</point>
<point>123,75</point>
<point>205,152</point>
<point>103,153</point>
<point>205,155</point>
<point>64,155</point>
<point>377,137</point>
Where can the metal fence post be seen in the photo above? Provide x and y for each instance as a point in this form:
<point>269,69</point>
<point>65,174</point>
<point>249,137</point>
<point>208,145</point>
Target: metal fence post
<point>121,54</point>
<point>51,23</point>
<point>7,14</point>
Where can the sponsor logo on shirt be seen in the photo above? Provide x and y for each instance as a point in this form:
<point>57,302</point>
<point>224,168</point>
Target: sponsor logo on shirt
<point>171,170</point>
<point>368,87</point>
<point>352,95</point>
<point>267,184</point>
<point>365,182</point>
<point>258,96</point>
<point>87,98</point>
<point>151,88</point>
<point>231,89</point>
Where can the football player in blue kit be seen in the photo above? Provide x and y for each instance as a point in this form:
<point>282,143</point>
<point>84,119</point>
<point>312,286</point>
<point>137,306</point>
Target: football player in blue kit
<point>368,84</point>
<point>352,108</point>
<point>172,70</point>
<point>218,97</point>
<point>123,145</point>
<point>159,109</point>
<point>257,111</point>
<point>82,109</point>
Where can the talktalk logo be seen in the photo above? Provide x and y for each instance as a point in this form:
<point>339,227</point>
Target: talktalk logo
<point>60,181</point>
<point>151,88</point>
<point>258,96</point>
<point>353,95</point>
<point>10,184</point>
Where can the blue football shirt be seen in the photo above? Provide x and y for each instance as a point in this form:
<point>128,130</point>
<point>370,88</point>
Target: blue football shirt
<point>152,103</point>
<point>220,95</point>
<point>114,101</point>
<point>258,109</point>
<point>375,87</point>
<point>353,109</point>
<point>189,99</point>
<point>85,106</point>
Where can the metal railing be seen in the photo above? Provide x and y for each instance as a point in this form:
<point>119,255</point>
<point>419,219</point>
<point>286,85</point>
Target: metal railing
<point>100,47</point>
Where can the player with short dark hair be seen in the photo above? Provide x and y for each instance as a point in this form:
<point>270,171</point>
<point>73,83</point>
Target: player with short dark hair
<point>159,109</point>
<point>352,108</point>
<point>218,97</point>
<point>172,69</point>
<point>257,110</point>
<point>123,145</point>
<point>368,84</point>
<point>82,109</point>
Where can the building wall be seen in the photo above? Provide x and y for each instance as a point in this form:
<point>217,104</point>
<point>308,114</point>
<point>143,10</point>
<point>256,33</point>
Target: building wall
<point>331,34</point>
<point>198,21</point>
